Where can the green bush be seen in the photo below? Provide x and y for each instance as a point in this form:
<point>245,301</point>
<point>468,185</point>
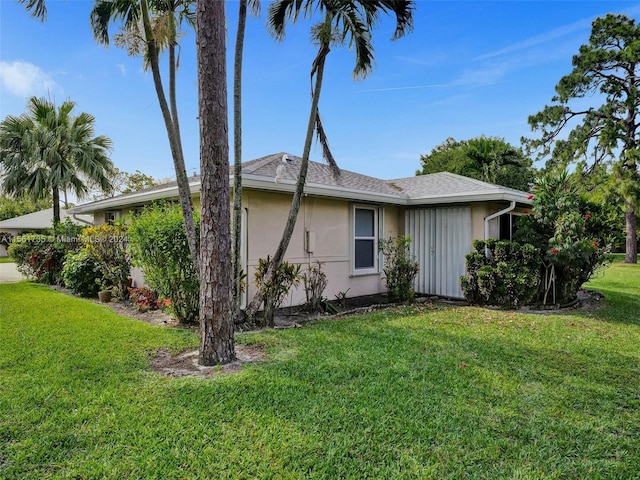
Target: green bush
<point>400,268</point>
<point>41,256</point>
<point>107,245</point>
<point>572,235</point>
<point>501,273</point>
<point>82,274</point>
<point>158,245</point>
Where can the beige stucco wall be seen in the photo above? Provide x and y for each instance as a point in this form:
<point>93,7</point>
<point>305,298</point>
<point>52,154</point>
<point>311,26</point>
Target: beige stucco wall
<point>329,221</point>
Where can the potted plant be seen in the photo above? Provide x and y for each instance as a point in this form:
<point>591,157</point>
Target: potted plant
<point>104,295</point>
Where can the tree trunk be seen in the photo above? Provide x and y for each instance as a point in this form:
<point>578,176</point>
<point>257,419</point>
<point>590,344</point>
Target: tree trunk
<point>173,133</point>
<point>56,205</point>
<point>318,67</point>
<point>216,321</point>
<point>237,164</point>
<point>631,250</point>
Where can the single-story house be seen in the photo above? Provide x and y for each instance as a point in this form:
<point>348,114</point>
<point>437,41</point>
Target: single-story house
<point>38,221</point>
<point>342,218</point>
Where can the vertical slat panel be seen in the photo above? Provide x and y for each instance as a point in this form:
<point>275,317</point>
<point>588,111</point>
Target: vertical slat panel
<point>441,239</point>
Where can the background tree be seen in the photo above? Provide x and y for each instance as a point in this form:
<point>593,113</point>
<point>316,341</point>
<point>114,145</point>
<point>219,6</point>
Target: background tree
<point>606,74</point>
<point>48,150</point>
<point>149,26</point>
<point>216,321</point>
<point>489,159</point>
<point>339,19</point>
<point>15,207</point>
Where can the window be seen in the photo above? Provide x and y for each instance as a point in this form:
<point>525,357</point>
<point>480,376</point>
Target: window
<point>508,225</point>
<point>111,216</point>
<point>365,240</point>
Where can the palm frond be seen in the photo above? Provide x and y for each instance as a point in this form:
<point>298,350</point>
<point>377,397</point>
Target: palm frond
<point>326,151</point>
<point>37,8</point>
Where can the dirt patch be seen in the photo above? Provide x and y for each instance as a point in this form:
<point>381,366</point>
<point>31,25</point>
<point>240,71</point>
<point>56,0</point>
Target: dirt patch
<point>185,364</point>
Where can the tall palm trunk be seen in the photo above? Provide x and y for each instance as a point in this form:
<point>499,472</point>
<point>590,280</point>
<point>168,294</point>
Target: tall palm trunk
<point>237,163</point>
<point>318,70</point>
<point>55,193</point>
<point>173,133</point>
<point>216,322</point>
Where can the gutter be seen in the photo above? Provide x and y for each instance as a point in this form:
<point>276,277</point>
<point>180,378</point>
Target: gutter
<point>73,215</point>
<point>510,208</point>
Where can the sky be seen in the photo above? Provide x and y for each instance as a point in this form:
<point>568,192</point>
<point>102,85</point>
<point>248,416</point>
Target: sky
<point>469,68</point>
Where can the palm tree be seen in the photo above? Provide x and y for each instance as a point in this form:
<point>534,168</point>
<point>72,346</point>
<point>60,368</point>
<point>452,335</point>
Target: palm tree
<point>148,27</point>
<point>49,151</point>
<point>236,267</point>
<point>341,19</point>
<point>38,8</point>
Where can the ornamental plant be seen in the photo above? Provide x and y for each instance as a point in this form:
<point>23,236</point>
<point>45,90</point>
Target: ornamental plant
<point>107,245</point>
<point>572,235</point>
<point>501,273</point>
<point>158,245</point>
<point>400,268</point>
<point>286,276</point>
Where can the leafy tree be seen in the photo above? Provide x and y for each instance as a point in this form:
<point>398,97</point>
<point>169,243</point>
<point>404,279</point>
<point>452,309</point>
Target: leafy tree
<point>339,19</point>
<point>148,26</point>
<point>16,207</point>
<point>605,75</point>
<point>571,234</point>
<point>489,159</point>
<point>48,150</point>
<point>216,320</point>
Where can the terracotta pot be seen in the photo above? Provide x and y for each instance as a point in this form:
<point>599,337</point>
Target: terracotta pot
<point>104,296</point>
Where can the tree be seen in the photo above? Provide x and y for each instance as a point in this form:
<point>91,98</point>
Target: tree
<point>606,73</point>
<point>216,321</point>
<point>236,267</point>
<point>489,159</point>
<point>339,19</point>
<point>148,27</point>
<point>48,150</point>
<point>16,207</point>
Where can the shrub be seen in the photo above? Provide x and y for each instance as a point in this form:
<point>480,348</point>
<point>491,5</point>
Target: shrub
<point>400,268</point>
<point>146,299</point>
<point>158,245</point>
<point>42,255</point>
<point>501,273</point>
<point>82,274</point>
<point>572,236</point>
<point>315,281</point>
<point>107,245</point>
<point>287,275</point>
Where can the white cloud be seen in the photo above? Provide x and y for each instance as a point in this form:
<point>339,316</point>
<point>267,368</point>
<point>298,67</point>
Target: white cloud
<point>122,68</point>
<point>24,79</point>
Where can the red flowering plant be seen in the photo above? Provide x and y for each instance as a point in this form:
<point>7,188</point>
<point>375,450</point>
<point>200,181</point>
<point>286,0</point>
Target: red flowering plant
<point>572,235</point>
<point>146,299</point>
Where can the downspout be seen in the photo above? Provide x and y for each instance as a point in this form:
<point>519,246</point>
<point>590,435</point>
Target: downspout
<point>73,215</point>
<point>510,208</point>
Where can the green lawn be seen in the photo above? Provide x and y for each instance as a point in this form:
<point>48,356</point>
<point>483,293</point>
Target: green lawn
<point>6,260</point>
<point>445,392</point>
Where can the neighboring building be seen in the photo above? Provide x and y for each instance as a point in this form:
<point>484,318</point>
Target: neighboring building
<point>341,220</point>
<point>38,221</point>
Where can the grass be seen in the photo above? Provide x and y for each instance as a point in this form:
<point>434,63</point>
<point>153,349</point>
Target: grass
<point>6,260</point>
<point>443,392</point>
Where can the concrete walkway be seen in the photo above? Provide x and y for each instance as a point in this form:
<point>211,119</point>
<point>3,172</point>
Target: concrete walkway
<point>9,273</point>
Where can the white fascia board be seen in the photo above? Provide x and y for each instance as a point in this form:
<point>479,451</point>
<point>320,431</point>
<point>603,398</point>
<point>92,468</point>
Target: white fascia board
<point>133,199</point>
<point>260,182</point>
<point>471,197</point>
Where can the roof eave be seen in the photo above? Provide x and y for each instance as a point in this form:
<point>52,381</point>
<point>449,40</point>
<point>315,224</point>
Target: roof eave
<point>471,197</point>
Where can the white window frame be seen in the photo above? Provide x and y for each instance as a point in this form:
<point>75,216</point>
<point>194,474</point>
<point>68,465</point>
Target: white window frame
<point>377,225</point>
<point>111,213</point>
